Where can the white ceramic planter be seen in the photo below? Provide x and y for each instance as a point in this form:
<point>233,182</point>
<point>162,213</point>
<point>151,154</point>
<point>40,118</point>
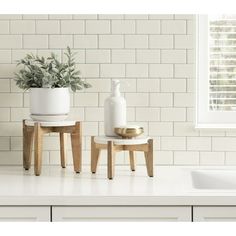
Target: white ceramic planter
<point>48,104</point>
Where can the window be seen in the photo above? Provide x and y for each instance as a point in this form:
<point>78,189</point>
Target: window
<point>216,71</point>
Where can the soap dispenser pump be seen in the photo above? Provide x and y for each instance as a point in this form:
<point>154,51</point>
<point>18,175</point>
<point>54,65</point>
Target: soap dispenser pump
<point>114,110</point>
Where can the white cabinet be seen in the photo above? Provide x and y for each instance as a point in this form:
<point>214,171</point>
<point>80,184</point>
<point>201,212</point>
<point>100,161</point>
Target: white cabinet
<point>24,213</point>
<point>117,213</point>
<point>121,213</point>
<point>214,213</point>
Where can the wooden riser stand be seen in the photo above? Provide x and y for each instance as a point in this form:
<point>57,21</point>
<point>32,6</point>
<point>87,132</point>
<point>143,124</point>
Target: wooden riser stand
<point>112,148</point>
<point>34,133</point>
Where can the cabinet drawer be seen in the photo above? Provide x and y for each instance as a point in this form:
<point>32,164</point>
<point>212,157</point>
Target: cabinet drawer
<point>214,213</point>
<point>121,213</point>
<point>24,213</point>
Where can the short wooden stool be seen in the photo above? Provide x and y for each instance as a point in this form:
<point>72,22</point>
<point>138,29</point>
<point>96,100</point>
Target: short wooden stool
<point>35,130</point>
<point>113,145</point>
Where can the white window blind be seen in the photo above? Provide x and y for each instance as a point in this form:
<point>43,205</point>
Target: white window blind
<point>216,71</point>
<point>222,62</point>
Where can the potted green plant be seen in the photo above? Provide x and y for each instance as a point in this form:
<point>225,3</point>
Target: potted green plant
<point>48,81</point>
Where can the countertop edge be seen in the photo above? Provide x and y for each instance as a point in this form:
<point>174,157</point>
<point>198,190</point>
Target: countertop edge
<point>117,200</point>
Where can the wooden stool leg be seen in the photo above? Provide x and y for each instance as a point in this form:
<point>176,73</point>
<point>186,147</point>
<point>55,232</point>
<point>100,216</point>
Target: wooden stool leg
<point>76,143</point>
<point>95,153</point>
<point>25,151</point>
<point>28,136</point>
<point>110,160</point>
<point>132,160</point>
<point>149,158</point>
<point>63,140</point>
<point>37,149</point>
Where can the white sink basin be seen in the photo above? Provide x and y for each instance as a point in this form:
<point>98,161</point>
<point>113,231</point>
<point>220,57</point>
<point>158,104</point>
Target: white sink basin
<point>214,179</point>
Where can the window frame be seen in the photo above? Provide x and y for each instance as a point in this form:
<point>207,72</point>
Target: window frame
<point>204,117</point>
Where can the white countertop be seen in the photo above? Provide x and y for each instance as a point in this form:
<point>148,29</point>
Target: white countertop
<point>171,185</point>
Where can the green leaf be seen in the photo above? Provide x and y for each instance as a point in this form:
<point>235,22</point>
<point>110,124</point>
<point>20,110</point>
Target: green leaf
<point>49,72</point>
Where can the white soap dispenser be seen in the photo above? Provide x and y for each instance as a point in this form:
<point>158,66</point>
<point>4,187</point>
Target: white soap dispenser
<point>114,110</point>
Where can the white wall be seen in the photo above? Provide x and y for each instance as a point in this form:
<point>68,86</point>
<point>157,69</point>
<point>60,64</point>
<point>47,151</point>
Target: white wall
<point>152,53</point>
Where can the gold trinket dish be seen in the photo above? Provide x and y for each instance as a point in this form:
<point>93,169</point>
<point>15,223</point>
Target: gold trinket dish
<point>129,131</point>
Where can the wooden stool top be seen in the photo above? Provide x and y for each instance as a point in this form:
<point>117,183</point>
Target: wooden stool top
<point>51,124</point>
<point>120,141</point>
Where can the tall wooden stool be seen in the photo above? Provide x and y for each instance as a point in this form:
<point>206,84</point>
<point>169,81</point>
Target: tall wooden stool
<point>113,145</point>
<point>34,130</point>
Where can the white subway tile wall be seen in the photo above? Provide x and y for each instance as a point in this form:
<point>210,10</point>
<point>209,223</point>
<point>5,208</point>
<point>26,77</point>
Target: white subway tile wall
<point>153,56</point>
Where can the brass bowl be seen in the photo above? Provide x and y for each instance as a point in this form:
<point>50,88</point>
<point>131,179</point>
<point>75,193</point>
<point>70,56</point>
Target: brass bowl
<point>129,131</point>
